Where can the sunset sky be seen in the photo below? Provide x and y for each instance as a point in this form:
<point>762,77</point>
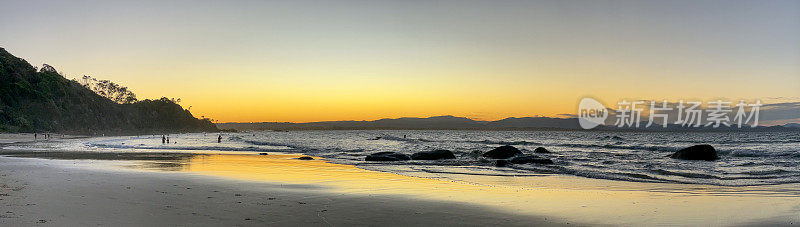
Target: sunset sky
<point>300,61</point>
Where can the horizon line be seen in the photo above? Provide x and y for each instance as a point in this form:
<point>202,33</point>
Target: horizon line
<point>536,116</point>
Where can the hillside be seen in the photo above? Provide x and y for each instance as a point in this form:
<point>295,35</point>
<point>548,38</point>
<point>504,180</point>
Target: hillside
<point>45,101</point>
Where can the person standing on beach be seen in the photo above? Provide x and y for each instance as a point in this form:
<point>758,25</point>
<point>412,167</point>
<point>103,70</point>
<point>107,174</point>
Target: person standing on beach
<point>34,136</point>
<point>163,139</point>
<point>219,139</point>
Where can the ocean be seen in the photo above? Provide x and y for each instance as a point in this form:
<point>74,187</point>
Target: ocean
<point>746,158</point>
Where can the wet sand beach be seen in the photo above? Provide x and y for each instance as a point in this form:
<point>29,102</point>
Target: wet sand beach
<point>230,188</point>
<point>85,192</point>
<point>6,138</point>
<point>10,138</point>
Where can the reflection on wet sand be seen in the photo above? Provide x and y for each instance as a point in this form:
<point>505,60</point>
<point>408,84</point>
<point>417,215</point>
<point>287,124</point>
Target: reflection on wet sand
<point>74,155</point>
<point>555,196</point>
<point>579,199</point>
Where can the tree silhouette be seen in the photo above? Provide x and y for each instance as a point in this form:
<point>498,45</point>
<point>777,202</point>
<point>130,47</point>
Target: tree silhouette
<point>110,90</point>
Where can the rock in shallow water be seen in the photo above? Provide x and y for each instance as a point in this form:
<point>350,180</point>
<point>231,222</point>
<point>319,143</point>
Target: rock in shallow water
<point>387,156</point>
<point>697,152</point>
<point>501,163</point>
<point>503,152</point>
<point>530,159</point>
<point>306,158</point>
<point>433,155</point>
<point>541,150</point>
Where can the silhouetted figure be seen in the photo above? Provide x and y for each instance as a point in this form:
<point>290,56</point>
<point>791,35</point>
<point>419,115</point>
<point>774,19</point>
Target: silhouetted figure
<point>163,139</point>
<point>167,140</point>
<point>219,139</point>
<point>34,136</point>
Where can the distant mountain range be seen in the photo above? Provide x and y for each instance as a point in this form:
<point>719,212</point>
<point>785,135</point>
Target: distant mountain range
<point>462,123</point>
<point>792,125</point>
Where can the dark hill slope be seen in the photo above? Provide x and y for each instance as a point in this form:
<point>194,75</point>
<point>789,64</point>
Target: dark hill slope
<point>45,101</point>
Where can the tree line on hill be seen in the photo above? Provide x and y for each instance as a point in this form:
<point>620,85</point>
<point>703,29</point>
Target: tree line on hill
<point>43,100</point>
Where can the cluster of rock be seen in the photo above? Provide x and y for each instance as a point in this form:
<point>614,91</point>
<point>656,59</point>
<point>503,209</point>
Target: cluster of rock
<point>425,155</point>
<point>505,155</point>
<point>387,156</point>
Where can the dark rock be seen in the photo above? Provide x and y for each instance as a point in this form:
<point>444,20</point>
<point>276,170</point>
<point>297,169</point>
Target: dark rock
<point>541,150</point>
<point>263,153</point>
<point>433,155</point>
<point>306,158</point>
<point>697,152</point>
<point>502,152</point>
<point>501,163</point>
<point>387,156</point>
<point>613,138</point>
<point>530,159</point>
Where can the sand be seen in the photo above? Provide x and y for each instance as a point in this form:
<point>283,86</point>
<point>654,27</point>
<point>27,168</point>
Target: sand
<point>9,138</point>
<point>66,193</point>
<point>74,188</point>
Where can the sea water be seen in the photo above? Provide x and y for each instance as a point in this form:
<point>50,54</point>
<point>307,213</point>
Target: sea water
<point>746,158</point>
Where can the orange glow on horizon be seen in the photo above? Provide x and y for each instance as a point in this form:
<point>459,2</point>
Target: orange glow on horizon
<point>299,62</point>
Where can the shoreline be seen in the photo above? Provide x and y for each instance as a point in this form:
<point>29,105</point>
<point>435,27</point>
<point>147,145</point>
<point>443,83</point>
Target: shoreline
<point>353,195</point>
<point>57,192</point>
<point>62,180</point>
<point>16,138</point>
